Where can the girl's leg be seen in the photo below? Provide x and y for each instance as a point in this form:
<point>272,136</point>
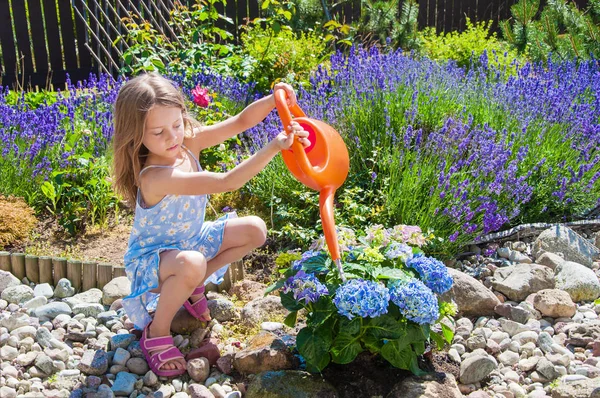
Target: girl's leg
<point>179,273</point>
<point>241,236</point>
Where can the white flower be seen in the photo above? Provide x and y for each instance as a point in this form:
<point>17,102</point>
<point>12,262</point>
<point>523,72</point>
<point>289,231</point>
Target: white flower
<point>203,249</point>
<point>186,206</point>
<point>186,226</point>
<point>180,216</point>
<point>171,232</point>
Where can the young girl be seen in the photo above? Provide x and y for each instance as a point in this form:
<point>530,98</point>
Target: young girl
<point>172,250</point>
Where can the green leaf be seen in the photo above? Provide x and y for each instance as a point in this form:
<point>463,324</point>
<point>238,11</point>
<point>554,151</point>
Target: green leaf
<point>265,4</point>
<point>48,190</point>
<point>392,273</point>
<point>277,285</point>
<point>345,348</point>
<point>322,310</point>
<point>287,300</point>
<point>372,343</point>
<point>386,327</point>
<point>351,327</point>
<point>290,320</point>
<point>439,340</point>
<point>419,347</point>
<point>398,353</point>
<point>448,333</point>
<point>313,347</point>
<point>315,264</point>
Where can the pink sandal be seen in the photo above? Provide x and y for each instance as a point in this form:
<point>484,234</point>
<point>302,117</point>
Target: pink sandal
<point>198,308</point>
<point>159,351</point>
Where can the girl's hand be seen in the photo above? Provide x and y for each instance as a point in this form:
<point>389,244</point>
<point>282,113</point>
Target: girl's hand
<point>289,91</point>
<point>285,141</point>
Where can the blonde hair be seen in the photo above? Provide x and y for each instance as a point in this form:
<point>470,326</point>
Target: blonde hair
<point>135,99</point>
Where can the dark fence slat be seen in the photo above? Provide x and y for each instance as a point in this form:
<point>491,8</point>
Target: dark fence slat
<point>53,36</point>
<point>38,36</point>
<point>7,42</point>
<point>67,33</point>
<point>23,44</point>
<point>231,11</point>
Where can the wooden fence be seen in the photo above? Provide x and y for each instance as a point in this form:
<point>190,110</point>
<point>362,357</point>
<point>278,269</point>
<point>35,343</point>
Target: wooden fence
<point>85,275</point>
<point>42,41</point>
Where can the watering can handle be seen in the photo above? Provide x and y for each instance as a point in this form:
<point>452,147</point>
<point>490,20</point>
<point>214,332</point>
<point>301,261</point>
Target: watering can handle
<point>286,118</point>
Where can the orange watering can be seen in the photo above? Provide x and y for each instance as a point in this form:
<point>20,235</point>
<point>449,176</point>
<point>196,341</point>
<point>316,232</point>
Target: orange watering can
<point>322,166</point>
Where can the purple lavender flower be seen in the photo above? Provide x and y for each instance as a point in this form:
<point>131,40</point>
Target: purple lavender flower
<point>305,287</point>
<point>361,298</point>
<point>415,300</point>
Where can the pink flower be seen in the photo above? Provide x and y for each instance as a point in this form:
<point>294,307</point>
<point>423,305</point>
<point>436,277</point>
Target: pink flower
<point>201,96</point>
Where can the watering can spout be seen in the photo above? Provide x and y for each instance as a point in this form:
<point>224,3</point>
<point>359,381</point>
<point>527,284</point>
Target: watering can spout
<point>326,209</point>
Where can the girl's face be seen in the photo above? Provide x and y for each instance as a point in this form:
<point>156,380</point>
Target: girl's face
<point>164,131</point>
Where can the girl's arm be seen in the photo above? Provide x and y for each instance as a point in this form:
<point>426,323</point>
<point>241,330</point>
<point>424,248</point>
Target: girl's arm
<point>163,181</point>
<point>208,136</point>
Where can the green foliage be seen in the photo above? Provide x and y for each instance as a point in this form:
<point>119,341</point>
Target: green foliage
<point>467,47</point>
<point>380,21</point>
<point>275,52</point>
<point>199,42</point>
<point>561,30</point>
<point>329,336</point>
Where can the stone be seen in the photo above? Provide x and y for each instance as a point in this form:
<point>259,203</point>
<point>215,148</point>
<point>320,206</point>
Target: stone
<point>137,366</point>
<point>554,303</point>
<point>222,310</point>
<point>265,352</point>
<point>262,309</point>
<point>579,388</point>
<point>94,363</point>
<point>199,391</point>
<point>550,260</point>
<point>124,384</point>
<point>185,323</point>
<point>208,349</point>
<point>247,290</point>
<point>7,280</point>
<point>289,384</point>
<point>471,296</point>
<point>568,242</point>
<point>580,282</point>
<point>476,367</point>
<point>583,334</point>
<point>43,290</point>
<point>431,386</point>
<point>198,369</point>
<point>64,289</point>
<point>116,289</point>
<point>17,294</point>
<point>518,281</point>
<point>88,309</point>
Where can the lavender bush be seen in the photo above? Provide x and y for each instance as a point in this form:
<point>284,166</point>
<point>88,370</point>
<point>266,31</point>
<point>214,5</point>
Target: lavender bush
<point>461,153</point>
<point>388,305</point>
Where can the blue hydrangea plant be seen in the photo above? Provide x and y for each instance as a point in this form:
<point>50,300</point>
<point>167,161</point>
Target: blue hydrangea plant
<point>387,305</point>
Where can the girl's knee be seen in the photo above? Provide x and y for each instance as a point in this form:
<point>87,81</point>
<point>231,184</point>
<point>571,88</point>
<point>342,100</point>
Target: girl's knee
<point>258,230</point>
<point>193,266</point>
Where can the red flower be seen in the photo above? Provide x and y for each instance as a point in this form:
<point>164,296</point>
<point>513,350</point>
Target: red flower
<point>201,96</point>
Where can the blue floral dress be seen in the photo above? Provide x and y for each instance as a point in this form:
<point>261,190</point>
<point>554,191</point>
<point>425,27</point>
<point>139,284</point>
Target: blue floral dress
<point>176,222</point>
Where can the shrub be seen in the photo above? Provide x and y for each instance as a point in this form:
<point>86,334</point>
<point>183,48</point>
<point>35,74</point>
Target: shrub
<point>17,220</point>
<point>382,297</point>
<point>468,47</point>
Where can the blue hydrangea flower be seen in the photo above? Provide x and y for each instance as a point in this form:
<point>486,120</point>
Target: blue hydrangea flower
<point>399,250</point>
<point>297,264</point>
<point>433,273</point>
<point>415,300</point>
<point>305,287</point>
<point>361,298</point>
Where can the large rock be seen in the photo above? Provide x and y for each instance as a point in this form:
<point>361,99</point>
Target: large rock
<point>262,309</point>
<point>7,279</point>
<point>574,247</point>
<point>265,352</point>
<point>519,281</point>
<point>247,290</point>
<point>476,368</point>
<point>185,323</point>
<point>436,385</point>
<point>580,282</point>
<point>585,388</point>
<point>17,294</point>
<point>222,310</point>
<point>554,303</point>
<point>471,296</point>
<point>290,384</point>
<point>116,289</point>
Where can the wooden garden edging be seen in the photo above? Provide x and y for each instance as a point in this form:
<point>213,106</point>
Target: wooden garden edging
<point>85,275</point>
